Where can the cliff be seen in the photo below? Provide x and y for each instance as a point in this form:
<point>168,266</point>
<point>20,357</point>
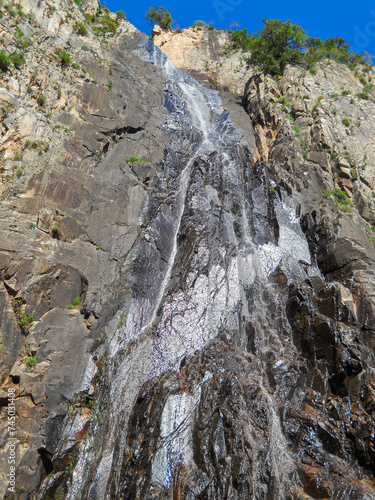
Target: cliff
<point>204,53</point>
<point>187,290</point>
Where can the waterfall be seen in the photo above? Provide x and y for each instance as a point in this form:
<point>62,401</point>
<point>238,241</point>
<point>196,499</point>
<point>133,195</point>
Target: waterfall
<point>199,271</point>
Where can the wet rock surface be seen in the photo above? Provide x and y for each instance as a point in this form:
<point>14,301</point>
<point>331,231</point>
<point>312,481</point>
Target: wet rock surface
<point>196,295</point>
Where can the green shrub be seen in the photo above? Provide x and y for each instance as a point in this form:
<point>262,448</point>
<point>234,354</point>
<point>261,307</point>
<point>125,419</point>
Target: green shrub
<point>133,159</point>
<point>199,24</point>
<point>120,14</point>
<point>64,58</point>
<point>241,40</point>
<point>345,122</point>
<point>368,87</point>
<point>363,95</point>
<point>5,61</point>
<point>31,362</point>
<point>345,93</point>
<point>18,58</point>
<point>41,100</point>
<point>108,25</point>
<point>19,33</point>
<point>80,29</point>
<point>84,47</point>
<point>70,306</point>
<point>340,197</point>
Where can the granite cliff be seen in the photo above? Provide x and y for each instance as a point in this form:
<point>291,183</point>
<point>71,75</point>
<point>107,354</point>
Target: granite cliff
<point>187,282</point>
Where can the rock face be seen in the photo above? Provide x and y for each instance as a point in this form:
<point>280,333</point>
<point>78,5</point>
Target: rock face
<point>70,213</point>
<point>203,53</point>
<point>186,307</point>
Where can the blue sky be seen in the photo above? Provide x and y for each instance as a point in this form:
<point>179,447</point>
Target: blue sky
<point>354,22</point>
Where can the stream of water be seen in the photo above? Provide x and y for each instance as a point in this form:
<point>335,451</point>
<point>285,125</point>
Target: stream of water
<point>205,251</point>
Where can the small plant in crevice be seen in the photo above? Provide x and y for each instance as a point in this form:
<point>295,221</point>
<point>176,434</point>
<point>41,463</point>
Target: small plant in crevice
<point>133,159</point>
<point>41,100</point>
<point>317,103</point>
<point>341,199</point>
<point>284,101</point>
<point>80,29</point>
<point>17,58</point>
<point>31,362</point>
<point>5,61</point>
<point>64,58</point>
<point>24,321</point>
<point>120,325</point>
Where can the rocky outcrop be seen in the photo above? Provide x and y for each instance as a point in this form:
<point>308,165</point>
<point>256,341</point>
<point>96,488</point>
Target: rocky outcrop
<point>315,131</point>
<point>70,213</point>
<point>204,53</point>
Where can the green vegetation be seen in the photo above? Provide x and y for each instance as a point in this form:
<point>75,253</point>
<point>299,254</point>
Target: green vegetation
<point>5,61</point>
<point>70,306</point>
<point>31,362</point>
<point>280,43</point>
<point>132,159</point>
<point>120,14</point>
<point>17,58</point>
<point>23,321</point>
<point>276,45</point>
<point>64,58</point>
<point>80,29</point>
<point>41,100</point>
<point>346,122</point>
<point>340,197</point>
<point>199,24</point>
<point>335,49</point>
<point>160,16</point>
<point>121,322</point>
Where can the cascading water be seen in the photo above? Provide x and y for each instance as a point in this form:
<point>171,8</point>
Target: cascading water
<point>214,231</point>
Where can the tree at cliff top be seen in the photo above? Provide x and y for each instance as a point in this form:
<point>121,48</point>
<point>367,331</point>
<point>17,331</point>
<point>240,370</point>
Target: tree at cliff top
<point>280,43</point>
<point>160,16</point>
